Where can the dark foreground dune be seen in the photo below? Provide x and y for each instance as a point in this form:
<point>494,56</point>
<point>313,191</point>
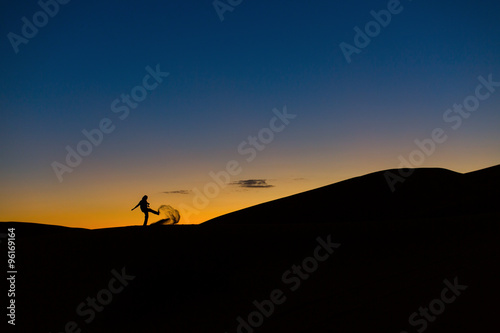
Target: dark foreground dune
<point>366,266</point>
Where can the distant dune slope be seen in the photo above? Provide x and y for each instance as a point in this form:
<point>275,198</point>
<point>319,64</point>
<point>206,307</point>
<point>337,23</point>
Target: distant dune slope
<point>24,229</point>
<point>426,193</point>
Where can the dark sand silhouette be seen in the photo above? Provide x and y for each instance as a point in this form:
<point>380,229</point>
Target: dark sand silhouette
<point>396,250</point>
<point>427,193</point>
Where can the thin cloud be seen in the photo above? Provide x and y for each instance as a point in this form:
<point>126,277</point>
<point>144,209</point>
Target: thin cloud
<point>178,192</point>
<point>252,183</point>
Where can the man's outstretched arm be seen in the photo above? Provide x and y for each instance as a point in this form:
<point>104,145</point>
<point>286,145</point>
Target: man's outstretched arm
<point>136,206</point>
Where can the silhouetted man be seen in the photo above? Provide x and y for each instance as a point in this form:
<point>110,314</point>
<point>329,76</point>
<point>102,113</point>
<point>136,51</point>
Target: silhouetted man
<point>145,209</point>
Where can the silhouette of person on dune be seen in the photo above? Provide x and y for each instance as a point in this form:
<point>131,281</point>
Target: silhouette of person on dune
<point>144,204</point>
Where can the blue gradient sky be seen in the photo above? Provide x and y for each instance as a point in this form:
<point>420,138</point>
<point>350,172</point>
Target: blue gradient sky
<point>225,80</point>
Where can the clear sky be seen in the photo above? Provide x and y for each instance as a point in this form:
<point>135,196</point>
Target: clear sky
<point>274,97</point>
